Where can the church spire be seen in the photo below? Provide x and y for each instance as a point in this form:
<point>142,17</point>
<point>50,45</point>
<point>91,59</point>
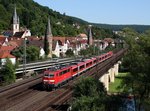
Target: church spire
<point>48,40</point>
<point>90,38</point>
<point>15,21</point>
<point>49,32</point>
<point>15,17</point>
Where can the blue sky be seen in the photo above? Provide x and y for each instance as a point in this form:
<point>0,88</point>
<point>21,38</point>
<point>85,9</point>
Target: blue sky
<point>104,11</point>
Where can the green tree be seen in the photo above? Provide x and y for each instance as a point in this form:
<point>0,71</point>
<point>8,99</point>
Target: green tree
<point>88,87</point>
<point>8,71</point>
<point>18,52</point>
<point>91,50</point>
<point>32,53</point>
<point>46,45</point>
<point>90,95</point>
<point>83,52</point>
<point>69,53</point>
<point>137,63</point>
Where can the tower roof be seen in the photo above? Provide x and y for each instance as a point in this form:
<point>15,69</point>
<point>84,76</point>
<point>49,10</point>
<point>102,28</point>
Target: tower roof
<point>49,32</point>
<point>15,17</point>
<point>90,33</point>
<point>90,38</point>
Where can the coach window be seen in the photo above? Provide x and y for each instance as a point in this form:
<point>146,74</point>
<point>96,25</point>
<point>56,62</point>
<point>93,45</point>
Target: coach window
<point>51,75</point>
<point>90,63</point>
<point>68,70</point>
<point>87,64</point>
<point>60,73</point>
<point>74,70</point>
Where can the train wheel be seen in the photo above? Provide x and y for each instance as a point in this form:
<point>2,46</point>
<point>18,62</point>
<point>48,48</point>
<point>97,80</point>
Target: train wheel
<point>43,87</point>
<point>49,88</point>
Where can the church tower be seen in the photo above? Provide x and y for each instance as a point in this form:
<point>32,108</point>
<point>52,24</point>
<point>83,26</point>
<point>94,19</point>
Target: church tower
<point>15,22</point>
<point>49,38</point>
<point>90,38</point>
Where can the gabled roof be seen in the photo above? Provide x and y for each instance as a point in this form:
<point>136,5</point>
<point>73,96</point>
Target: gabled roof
<point>8,33</point>
<point>15,42</point>
<point>2,40</point>
<point>6,48</point>
<point>109,40</point>
<point>19,34</point>
<point>35,41</point>
<point>6,55</point>
<point>61,39</point>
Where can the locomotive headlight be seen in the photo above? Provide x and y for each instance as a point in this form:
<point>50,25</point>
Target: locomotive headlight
<point>51,80</point>
<point>45,80</point>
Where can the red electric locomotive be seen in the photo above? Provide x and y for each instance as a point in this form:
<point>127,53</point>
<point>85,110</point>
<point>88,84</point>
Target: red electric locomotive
<point>55,76</point>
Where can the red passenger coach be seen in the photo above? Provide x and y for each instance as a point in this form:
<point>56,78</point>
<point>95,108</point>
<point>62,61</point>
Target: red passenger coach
<point>74,70</point>
<point>81,67</point>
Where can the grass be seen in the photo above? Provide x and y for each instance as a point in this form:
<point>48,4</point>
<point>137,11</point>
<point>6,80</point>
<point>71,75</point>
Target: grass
<point>117,87</point>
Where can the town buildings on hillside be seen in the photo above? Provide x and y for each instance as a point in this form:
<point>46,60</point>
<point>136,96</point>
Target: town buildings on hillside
<point>58,46</point>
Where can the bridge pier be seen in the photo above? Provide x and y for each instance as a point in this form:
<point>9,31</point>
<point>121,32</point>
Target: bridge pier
<point>105,80</point>
<point>112,74</point>
<point>109,76</point>
<point>116,66</point>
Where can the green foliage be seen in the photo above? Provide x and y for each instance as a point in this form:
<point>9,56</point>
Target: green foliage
<point>138,64</point>
<point>69,53</point>
<point>91,50</point>
<point>54,56</point>
<point>88,87</point>
<point>90,95</point>
<point>32,53</point>
<point>85,103</point>
<point>138,28</point>
<point>8,71</point>
<point>46,46</point>
<point>118,86</point>
<point>101,33</point>
<point>34,16</point>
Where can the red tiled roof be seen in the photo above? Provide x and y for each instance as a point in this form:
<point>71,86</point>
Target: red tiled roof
<point>15,42</point>
<point>6,49</point>
<point>82,35</point>
<point>1,35</point>
<point>83,41</point>
<point>2,39</point>
<point>6,55</point>
<point>61,39</point>
<point>109,40</point>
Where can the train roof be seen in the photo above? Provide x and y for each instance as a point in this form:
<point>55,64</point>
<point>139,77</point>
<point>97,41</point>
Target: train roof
<point>58,67</point>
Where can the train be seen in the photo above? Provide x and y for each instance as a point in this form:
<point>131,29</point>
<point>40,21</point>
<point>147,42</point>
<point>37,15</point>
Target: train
<point>58,75</point>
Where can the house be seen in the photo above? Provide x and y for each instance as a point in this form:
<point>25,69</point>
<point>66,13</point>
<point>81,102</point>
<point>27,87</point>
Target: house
<point>5,53</point>
<point>4,56</point>
<point>60,46</point>
<point>3,41</point>
<point>22,34</point>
